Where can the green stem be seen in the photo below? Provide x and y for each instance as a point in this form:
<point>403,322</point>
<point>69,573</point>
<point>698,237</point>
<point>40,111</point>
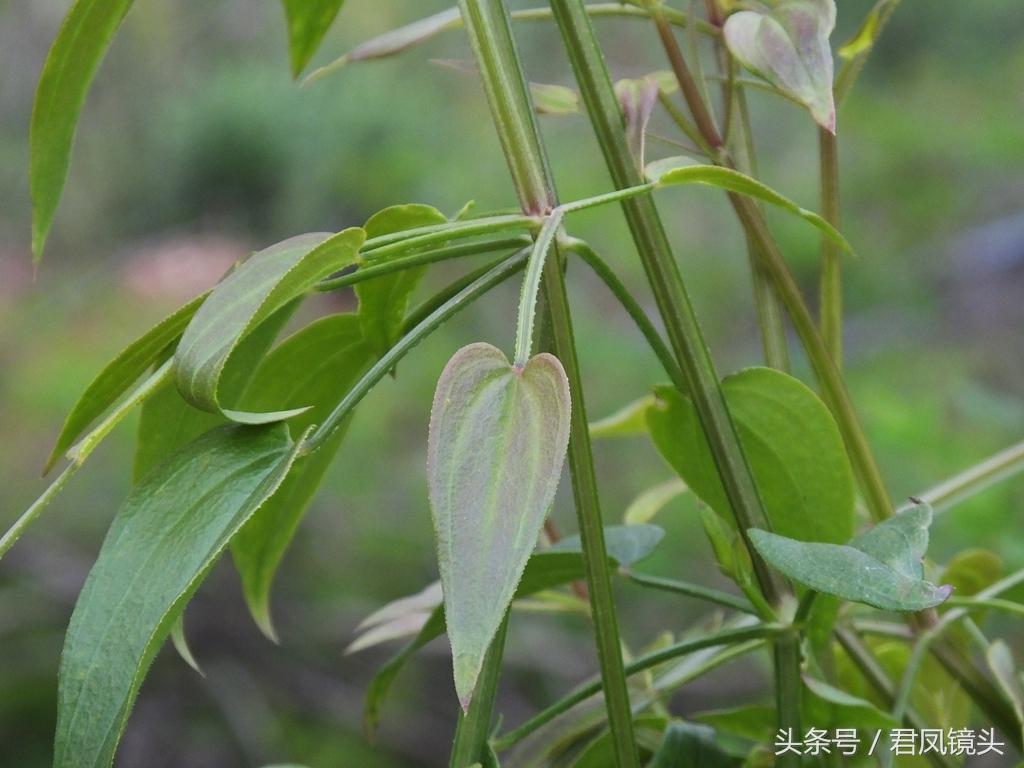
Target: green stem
<point>830,291</point>
<point>373,270</point>
<point>408,240</point>
<point>976,479</point>
<point>474,727</point>
<point>729,637</point>
<point>428,325</point>
<point>974,603</point>
<point>489,28</point>
<point>531,286</point>
<point>692,590</point>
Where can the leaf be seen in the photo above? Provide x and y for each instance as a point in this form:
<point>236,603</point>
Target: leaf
<point>554,99</point>
<point>637,99</point>
<point>674,171</point>
<point>308,22</point>
<point>600,751</point>
<point>830,707</point>
<point>67,74</point>
<point>686,745</point>
<point>625,544</point>
<point>268,281</point>
<point>383,300</point>
<point>972,570</point>
<point>393,42</point>
<point>649,503</point>
<point>316,366</point>
<point>753,722</point>
<point>162,543</point>
<point>119,375</point>
<point>864,39</point>
<point>788,46</point>
<point>1004,670</point>
<point>180,643</point>
<point>881,568</point>
<point>795,451</point>
<point>628,421</point>
<point>498,437</point>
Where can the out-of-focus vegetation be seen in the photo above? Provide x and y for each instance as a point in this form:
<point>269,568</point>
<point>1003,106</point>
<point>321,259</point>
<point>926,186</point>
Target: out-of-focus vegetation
<point>196,146</point>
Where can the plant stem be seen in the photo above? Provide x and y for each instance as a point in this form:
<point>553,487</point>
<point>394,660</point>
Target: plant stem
<point>489,27</point>
<point>531,286</point>
<point>729,637</point>
<point>976,479</point>
<point>474,727</point>
<point>692,590</point>
<point>830,291</point>
<point>408,240</point>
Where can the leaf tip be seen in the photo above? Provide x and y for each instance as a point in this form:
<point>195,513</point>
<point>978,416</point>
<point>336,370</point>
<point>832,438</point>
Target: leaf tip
<point>467,670</point>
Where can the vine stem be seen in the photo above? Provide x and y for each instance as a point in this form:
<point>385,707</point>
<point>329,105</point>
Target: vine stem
<point>830,290</point>
<point>474,725</point>
<point>488,25</point>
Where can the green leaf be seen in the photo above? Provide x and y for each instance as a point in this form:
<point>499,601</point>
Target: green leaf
<point>162,543</point>
<point>674,171</point>
<point>881,568</point>
<point>1004,670</point>
<point>67,74</point>
<point>864,39</point>
<point>600,751</point>
<point>119,375</point>
<point>628,421</point>
<point>625,544</point>
<point>649,503</point>
<point>383,300</point>
<point>551,99</point>
<point>394,41</point>
<point>830,707</point>
<point>793,445</point>
<point>971,571</point>
<point>687,745</point>
<point>753,722</point>
<point>180,643</point>
<point>498,437</point>
<point>788,46</point>
<point>308,22</point>
<point>268,281</point>
<point>316,366</point>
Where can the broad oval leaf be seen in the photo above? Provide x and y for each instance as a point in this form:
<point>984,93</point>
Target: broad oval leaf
<point>308,22</point>
<point>67,74</point>
<point>788,46</point>
<point>119,374</point>
<point>383,300</point>
<point>881,568</point>
<point>268,281</point>
<point>795,451</point>
<point>315,366</point>
<point>674,171</point>
<point>162,543</point>
<point>498,437</point>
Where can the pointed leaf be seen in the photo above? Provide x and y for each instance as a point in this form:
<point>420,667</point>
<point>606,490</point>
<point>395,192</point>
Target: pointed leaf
<point>308,22</point>
<point>649,503</point>
<point>316,366</point>
<point>67,74</point>
<point>674,171</point>
<point>628,421</point>
<point>625,544</point>
<point>972,570</point>
<point>268,281</point>
<point>793,445</point>
<point>180,642</point>
<point>162,543</point>
<point>788,46</point>
<point>119,375</point>
<point>383,300</point>
<point>498,437</point>
<point>872,569</point>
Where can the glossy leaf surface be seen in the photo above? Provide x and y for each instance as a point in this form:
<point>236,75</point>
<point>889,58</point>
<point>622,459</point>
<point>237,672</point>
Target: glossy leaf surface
<point>788,46</point>
<point>308,22</point>
<point>881,568</point>
<point>793,445</point>
<point>268,281</point>
<point>67,74</point>
<point>315,366</point>
<point>383,300</point>
<point>498,437</point>
<point>160,546</point>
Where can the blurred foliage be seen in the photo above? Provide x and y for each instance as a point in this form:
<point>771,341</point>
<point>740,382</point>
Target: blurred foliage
<point>195,128</point>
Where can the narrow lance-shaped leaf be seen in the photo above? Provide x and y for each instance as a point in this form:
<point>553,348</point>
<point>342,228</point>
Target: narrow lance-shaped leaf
<point>162,543</point>
<point>316,366</point>
<point>881,568</point>
<point>793,445</point>
<point>788,46</point>
<point>266,282</point>
<point>383,300</point>
<point>498,437</point>
<point>119,374</point>
<point>67,74</point>
<point>674,171</point>
<point>308,22</point>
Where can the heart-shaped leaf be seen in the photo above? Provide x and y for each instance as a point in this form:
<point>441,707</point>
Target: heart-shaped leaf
<point>881,568</point>
<point>162,543</point>
<point>308,22</point>
<point>791,441</point>
<point>268,281</point>
<point>498,437</point>
<point>788,46</point>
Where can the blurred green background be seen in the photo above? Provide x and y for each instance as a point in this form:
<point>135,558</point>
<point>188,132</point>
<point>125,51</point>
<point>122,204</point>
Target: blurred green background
<point>196,147</point>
